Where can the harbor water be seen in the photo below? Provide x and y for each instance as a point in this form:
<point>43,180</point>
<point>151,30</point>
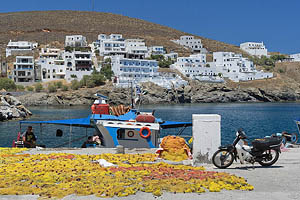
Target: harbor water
<point>257,119</point>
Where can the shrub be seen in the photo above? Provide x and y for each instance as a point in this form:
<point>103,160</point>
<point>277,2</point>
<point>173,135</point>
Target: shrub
<point>73,76</point>
<point>29,88</point>
<point>157,57</point>
<point>90,83</point>
<point>38,87</point>
<point>83,81</point>
<point>58,84</point>
<point>65,88</point>
<point>20,88</point>
<point>98,79</point>
<point>165,63</point>
<point>52,88</point>
<point>7,84</point>
<point>75,85</point>
<point>69,49</point>
<point>281,70</point>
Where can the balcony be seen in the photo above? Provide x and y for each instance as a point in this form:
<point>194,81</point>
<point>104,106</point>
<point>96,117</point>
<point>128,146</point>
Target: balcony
<point>83,58</point>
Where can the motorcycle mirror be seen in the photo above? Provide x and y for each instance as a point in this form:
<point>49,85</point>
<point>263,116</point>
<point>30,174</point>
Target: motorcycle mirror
<point>240,130</point>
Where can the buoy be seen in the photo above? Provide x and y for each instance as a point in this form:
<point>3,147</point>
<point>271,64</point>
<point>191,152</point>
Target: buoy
<point>148,134</point>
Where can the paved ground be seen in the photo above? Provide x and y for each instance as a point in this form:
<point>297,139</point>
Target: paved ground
<point>280,182</point>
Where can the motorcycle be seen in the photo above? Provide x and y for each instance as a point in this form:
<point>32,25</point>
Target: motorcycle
<point>264,151</point>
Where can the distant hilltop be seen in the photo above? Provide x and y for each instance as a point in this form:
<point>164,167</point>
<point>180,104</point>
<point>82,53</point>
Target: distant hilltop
<point>46,27</point>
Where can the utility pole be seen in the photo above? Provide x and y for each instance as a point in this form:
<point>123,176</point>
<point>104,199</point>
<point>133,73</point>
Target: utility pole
<point>1,63</point>
<point>93,5</point>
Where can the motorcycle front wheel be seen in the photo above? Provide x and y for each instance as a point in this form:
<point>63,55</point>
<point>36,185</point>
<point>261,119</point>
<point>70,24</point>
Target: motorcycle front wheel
<point>269,158</point>
<point>222,158</point>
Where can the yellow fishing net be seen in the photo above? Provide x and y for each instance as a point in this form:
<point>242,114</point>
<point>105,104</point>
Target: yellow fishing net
<point>174,148</point>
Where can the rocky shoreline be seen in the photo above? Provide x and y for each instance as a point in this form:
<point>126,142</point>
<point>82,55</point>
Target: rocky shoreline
<point>192,93</point>
<point>12,108</point>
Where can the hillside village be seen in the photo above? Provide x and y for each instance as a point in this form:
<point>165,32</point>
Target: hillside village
<point>130,60</point>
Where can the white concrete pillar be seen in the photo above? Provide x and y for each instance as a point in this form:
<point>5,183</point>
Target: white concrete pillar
<point>207,137</point>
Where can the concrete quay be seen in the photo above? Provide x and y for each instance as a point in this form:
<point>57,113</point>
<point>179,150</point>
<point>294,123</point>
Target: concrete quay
<point>278,182</point>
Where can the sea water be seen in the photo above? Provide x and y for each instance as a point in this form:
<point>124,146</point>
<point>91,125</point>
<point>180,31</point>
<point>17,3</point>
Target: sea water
<point>257,120</point>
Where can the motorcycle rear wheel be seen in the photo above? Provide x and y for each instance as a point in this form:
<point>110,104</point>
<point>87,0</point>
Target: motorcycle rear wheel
<point>272,157</point>
<point>222,158</point>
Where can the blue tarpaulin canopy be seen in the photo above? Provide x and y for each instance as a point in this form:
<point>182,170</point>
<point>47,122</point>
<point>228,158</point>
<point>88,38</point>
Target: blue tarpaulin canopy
<point>173,124</point>
<point>81,122</point>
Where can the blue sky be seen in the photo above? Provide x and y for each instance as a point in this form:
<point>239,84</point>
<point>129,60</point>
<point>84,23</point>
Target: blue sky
<point>274,22</point>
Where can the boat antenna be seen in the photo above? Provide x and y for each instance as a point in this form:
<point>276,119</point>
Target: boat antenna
<point>132,100</point>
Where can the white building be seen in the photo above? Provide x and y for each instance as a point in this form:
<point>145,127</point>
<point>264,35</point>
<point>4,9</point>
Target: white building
<point>136,48</point>
<point>171,56</point>
<point>24,70</point>
<point>156,50</point>
<point>192,43</point>
<point>112,44</point>
<point>50,53</point>
<point>75,41</point>
<point>14,48</point>
<point>295,57</point>
<point>65,65</point>
<point>78,64</point>
<point>237,68</point>
<point>254,48</point>
<point>139,70</point>
<point>195,67</point>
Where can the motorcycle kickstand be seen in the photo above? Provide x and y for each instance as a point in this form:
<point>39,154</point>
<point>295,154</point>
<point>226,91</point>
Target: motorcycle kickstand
<point>253,166</point>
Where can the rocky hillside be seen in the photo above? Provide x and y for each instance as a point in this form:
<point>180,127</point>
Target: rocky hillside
<point>52,26</point>
<point>12,108</point>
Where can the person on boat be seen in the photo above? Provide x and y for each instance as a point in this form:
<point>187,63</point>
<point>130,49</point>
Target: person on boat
<point>88,143</point>
<point>96,139</point>
<point>29,138</point>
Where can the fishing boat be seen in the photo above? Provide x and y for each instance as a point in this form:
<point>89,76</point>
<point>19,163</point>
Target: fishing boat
<point>116,125</point>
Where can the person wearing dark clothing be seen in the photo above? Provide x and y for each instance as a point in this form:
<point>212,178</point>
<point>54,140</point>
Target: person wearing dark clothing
<point>88,143</point>
<point>29,138</point>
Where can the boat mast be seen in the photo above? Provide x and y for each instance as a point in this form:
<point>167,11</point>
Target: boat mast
<point>132,100</point>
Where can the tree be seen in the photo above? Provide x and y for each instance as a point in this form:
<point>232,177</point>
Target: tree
<point>106,71</point>
<point>98,79</point>
<point>7,84</point>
